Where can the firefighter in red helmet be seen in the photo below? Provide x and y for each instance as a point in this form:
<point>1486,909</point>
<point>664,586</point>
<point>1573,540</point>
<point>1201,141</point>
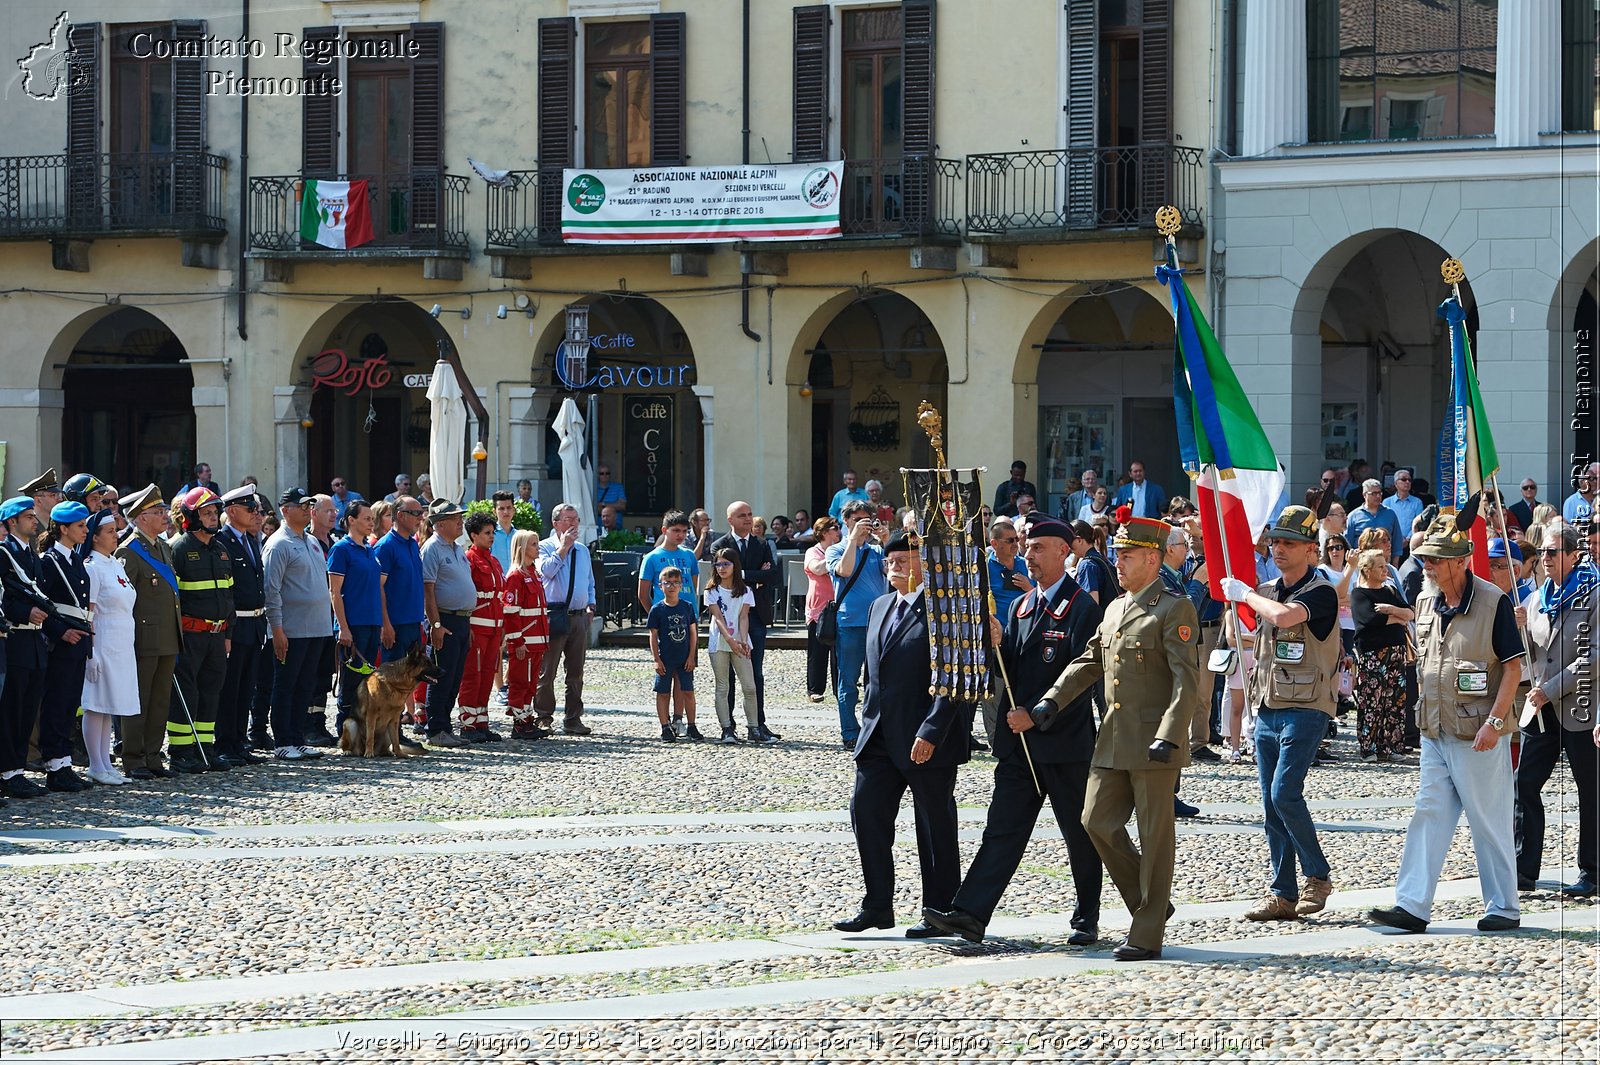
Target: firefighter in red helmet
<point>204,569</point>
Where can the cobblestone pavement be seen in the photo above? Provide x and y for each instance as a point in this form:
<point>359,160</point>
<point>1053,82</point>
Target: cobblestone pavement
<point>618,898</point>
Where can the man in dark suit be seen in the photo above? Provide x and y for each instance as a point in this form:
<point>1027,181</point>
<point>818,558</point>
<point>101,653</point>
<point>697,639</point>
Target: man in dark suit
<point>1048,627</point>
<point>909,739</point>
<point>1148,499</point>
<point>1522,509</point>
<point>760,573</point>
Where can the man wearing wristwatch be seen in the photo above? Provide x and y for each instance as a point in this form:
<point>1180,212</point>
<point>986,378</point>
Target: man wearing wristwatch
<point>1469,662</point>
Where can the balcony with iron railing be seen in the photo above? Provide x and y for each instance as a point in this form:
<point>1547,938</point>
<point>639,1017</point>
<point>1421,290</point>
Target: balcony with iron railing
<point>415,214</point>
<point>112,194</point>
<point>912,197</point>
<point>1063,193</point>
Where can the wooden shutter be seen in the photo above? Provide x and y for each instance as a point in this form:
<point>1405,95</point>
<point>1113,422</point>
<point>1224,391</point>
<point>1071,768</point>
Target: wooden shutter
<point>1083,75</point>
<point>319,110</point>
<point>558,40</point>
<point>188,120</point>
<point>83,124</point>
<point>427,125</point>
<point>667,93</point>
<point>1155,109</point>
<point>811,83</point>
<point>916,80</point>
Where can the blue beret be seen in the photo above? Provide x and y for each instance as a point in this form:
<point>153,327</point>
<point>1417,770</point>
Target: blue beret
<point>14,506</point>
<point>67,512</point>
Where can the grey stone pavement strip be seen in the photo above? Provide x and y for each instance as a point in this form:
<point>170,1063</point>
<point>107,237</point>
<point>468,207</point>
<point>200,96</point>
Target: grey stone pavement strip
<point>131,855</point>
<point>288,1043</point>
<point>135,999</point>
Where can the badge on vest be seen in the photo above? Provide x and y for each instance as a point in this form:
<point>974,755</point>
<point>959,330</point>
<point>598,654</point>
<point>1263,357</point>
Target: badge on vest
<point>1472,682</point>
<point>1289,650</point>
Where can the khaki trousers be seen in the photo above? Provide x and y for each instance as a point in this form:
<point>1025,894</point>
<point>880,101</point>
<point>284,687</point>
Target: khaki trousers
<point>1144,879</point>
<point>142,736</point>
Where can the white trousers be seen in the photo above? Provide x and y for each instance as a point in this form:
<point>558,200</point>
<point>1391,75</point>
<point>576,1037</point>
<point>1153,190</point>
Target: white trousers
<point>1452,778</point>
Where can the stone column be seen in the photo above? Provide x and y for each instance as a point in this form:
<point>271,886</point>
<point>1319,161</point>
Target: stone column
<point>1274,76</point>
<point>1527,86</point>
<point>290,404</point>
<point>32,433</point>
<point>704,393</point>
<point>212,421</point>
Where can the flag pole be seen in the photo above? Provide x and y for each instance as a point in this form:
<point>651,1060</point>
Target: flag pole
<point>1168,222</point>
<point>1454,273</point>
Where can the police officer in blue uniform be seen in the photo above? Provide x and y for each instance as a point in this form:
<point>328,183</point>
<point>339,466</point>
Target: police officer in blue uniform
<point>241,511</point>
<point>64,579</point>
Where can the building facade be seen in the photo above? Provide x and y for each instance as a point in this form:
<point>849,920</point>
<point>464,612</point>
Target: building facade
<point>1372,142</point>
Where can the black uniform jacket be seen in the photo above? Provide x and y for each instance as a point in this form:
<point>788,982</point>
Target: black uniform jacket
<point>1040,639</point>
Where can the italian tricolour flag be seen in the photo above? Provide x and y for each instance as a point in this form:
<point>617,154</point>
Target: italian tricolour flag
<point>336,214</point>
<point>1236,473</point>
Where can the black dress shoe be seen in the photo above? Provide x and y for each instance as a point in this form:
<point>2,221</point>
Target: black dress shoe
<point>1585,888</point>
<point>242,756</point>
<point>320,738</point>
<point>20,787</point>
<point>140,772</point>
<point>979,745</point>
<point>216,761</point>
<point>65,780</point>
<point>1395,917</point>
<point>1183,809</point>
<point>924,930</point>
<point>1205,754</point>
<point>187,766</point>
<point>863,921</point>
<point>1494,922</point>
<point>954,922</point>
<point>161,772</point>
<point>1128,952</point>
<point>1087,936</point>
<point>1526,883</point>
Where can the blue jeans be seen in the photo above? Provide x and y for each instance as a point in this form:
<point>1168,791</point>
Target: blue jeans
<point>851,650</point>
<point>1286,745</point>
<point>365,638</point>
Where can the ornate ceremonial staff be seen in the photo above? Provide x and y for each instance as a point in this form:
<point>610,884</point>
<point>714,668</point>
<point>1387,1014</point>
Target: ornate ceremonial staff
<point>947,502</point>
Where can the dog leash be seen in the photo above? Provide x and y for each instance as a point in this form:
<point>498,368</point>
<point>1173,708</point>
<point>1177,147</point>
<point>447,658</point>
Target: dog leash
<point>360,664</point>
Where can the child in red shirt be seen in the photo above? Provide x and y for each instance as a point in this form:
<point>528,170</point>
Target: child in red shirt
<point>483,651</point>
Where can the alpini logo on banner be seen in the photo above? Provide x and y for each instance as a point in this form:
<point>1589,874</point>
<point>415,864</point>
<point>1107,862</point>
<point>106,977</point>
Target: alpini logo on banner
<point>586,194</point>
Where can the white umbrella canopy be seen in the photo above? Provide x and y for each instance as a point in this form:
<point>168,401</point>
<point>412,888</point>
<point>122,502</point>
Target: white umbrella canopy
<point>447,435</point>
<point>577,486</point>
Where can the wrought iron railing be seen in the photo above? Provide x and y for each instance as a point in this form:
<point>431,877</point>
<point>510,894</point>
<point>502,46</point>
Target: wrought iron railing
<point>111,193</point>
<point>913,196</point>
<point>1083,188</point>
<point>412,210</point>
<point>916,195</point>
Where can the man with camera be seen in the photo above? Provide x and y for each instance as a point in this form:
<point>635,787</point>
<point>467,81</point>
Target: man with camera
<point>856,564</point>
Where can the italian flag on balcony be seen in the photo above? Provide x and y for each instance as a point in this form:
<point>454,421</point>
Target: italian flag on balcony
<point>336,214</point>
<point>1237,477</point>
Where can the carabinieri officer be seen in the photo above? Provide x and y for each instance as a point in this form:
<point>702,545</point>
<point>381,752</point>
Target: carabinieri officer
<point>64,579</point>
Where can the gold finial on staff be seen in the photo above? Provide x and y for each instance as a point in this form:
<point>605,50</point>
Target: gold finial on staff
<point>1168,222</point>
<point>1453,273</point>
<point>932,424</point>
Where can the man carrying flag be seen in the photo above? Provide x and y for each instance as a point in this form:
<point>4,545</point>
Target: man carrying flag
<point>1468,461</point>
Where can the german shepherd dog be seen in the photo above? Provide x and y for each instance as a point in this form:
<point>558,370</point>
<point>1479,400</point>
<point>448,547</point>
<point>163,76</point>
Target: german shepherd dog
<point>380,702</point>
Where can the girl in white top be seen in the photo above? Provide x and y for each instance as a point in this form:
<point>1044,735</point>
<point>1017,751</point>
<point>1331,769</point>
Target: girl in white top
<point>110,686</point>
<point>728,601</point>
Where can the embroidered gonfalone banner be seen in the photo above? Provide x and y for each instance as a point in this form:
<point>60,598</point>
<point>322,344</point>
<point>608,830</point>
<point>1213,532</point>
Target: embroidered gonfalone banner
<point>956,577</point>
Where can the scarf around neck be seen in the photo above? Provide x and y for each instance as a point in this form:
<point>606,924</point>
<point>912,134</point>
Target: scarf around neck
<point>1580,583</point>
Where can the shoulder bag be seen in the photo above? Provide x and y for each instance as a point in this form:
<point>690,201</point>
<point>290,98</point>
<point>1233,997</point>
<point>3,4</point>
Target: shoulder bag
<point>828,621</point>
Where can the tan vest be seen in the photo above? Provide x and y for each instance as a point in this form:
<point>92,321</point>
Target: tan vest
<point>1294,669</point>
<point>1458,673</point>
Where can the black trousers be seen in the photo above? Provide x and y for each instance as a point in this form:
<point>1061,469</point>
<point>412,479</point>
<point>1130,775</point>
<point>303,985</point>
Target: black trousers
<point>63,691</point>
<point>24,692</point>
<point>202,667</point>
<point>822,666</point>
<point>880,785</point>
<point>1540,752</point>
<point>260,699</point>
<point>1013,812</point>
<point>239,683</point>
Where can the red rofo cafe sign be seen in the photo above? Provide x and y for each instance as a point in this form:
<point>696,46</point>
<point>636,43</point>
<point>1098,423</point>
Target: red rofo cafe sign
<point>334,369</point>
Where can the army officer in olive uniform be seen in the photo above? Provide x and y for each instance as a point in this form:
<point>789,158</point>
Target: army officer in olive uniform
<point>157,639</point>
<point>1148,647</point>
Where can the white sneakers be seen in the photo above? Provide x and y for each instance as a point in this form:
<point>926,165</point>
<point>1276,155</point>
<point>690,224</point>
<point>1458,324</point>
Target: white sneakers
<point>297,754</point>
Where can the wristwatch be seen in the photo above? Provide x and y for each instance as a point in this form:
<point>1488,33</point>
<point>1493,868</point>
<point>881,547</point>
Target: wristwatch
<point>1497,723</point>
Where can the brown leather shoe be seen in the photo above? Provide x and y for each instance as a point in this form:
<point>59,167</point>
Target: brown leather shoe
<point>1313,896</point>
<point>576,727</point>
<point>1272,908</point>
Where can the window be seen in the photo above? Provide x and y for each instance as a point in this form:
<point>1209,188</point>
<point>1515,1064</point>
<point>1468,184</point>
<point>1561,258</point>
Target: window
<point>141,89</point>
<point>1401,69</point>
<point>1580,65</point>
<point>873,110</point>
<point>617,96</point>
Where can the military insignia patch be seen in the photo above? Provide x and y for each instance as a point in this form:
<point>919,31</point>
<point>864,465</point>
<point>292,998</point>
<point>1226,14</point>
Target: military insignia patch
<point>1184,632</point>
<point>1049,652</point>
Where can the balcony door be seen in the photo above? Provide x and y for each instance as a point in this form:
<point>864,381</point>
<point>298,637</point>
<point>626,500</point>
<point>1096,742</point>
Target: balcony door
<point>138,172</point>
<point>872,116</point>
<point>379,121</point>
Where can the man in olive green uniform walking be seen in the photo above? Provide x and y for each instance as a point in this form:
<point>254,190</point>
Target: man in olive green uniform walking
<point>1148,648</point>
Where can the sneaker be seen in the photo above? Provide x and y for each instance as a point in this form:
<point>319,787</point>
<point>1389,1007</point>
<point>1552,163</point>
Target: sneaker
<point>677,725</point>
<point>1369,757</point>
<point>445,739</point>
<point>759,735</point>
<point>502,698</point>
<point>1326,755</point>
<point>528,731</point>
<point>290,754</point>
<point>814,697</point>
<point>1313,896</point>
<point>1274,908</point>
<point>692,733</point>
<point>20,787</point>
<point>668,735</point>
<point>729,735</point>
<point>310,754</point>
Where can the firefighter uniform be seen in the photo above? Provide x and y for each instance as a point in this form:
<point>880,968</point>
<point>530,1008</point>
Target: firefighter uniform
<point>204,567</point>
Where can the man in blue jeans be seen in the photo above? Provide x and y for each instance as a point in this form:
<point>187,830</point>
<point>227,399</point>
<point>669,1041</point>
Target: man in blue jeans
<point>856,564</point>
<point>1294,694</point>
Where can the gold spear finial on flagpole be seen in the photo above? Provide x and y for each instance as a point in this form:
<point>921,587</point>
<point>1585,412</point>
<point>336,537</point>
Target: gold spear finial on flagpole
<point>932,424</point>
<point>1453,273</point>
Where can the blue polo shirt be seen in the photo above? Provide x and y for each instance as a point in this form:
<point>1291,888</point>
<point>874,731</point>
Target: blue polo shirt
<point>1000,584</point>
<point>358,564</point>
<point>400,560</point>
<point>855,608</point>
<point>501,548</point>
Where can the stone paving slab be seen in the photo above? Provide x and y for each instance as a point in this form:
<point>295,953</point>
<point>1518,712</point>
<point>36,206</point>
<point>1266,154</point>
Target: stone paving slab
<point>498,1028</point>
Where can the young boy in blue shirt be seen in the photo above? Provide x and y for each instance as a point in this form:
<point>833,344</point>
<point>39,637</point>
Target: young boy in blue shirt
<point>674,640</point>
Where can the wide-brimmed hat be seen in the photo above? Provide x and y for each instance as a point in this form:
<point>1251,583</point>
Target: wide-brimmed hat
<point>1444,540</point>
<point>443,508</point>
<point>1295,523</point>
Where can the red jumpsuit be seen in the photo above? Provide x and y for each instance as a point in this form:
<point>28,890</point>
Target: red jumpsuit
<point>483,650</point>
<point>527,626</point>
